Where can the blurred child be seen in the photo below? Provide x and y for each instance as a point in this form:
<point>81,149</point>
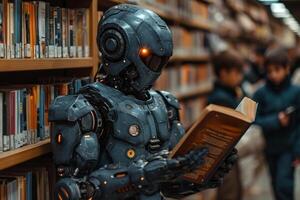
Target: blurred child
<point>277,103</point>
<point>228,66</point>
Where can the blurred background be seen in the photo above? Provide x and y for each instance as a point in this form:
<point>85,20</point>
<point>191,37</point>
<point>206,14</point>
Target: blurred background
<point>214,39</point>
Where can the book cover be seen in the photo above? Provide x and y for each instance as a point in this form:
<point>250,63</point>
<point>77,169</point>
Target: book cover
<point>218,129</point>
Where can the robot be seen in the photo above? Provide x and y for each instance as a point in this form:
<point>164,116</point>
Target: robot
<point>112,139</point>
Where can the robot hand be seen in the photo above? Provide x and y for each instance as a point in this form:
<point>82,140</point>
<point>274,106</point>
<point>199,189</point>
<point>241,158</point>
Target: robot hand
<point>73,189</point>
<point>224,169</point>
<point>160,169</point>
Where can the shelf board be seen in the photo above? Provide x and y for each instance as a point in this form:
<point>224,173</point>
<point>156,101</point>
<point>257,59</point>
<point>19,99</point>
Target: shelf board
<point>13,65</point>
<point>191,58</point>
<point>22,154</point>
<point>202,89</point>
<point>191,23</point>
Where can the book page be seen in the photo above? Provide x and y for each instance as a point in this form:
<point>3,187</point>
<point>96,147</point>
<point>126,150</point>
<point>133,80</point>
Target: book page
<point>248,107</point>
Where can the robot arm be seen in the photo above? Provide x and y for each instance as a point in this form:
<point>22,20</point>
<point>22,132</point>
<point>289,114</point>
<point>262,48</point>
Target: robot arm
<point>74,141</point>
<point>119,182</point>
<point>180,188</point>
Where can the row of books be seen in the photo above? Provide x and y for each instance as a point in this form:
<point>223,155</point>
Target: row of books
<point>25,185</point>
<point>192,9</point>
<point>190,110</point>
<point>188,42</point>
<point>183,77</point>
<point>24,113</point>
<point>35,29</point>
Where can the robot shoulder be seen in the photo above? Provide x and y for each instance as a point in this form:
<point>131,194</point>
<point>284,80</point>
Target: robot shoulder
<point>100,95</point>
<point>69,108</point>
<point>169,99</point>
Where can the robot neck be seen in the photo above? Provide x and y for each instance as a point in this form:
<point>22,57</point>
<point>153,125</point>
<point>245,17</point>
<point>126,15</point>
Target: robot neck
<point>125,87</point>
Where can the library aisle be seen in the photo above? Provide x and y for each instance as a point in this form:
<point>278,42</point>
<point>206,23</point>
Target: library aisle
<point>224,50</point>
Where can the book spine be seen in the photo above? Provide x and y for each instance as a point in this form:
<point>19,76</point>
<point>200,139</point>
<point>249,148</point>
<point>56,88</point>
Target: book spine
<point>18,27</point>
<point>51,33</point>
<point>47,28</point>
<point>36,29</point>
<point>29,186</point>
<point>42,112</point>
<point>1,121</point>
<point>72,48</point>
<point>27,46</point>
<point>42,28</point>
<point>58,32</point>
<point>86,39</point>
<point>5,122</point>
<point>12,33</point>
<point>2,42</point>
<point>65,32</point>
<point>79,32</point>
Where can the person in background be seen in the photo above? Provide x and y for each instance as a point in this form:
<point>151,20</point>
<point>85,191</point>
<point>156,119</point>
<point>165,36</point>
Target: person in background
<point>255,72</point>
<point>277,102</point>
<point>228,66</point>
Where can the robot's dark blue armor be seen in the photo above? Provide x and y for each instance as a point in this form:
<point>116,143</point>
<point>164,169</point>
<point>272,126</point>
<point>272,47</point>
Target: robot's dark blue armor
<point>112,139</point>
<point>133,161</point>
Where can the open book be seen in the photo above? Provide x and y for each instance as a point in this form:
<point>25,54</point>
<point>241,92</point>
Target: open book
<point>219,129</point>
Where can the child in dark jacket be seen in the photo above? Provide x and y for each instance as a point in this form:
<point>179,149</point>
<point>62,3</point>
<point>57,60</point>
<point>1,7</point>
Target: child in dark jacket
<point>277,102</point>
<point>228,67</point>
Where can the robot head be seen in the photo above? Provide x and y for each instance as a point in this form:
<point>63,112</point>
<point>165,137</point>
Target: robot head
<point>135,44</point>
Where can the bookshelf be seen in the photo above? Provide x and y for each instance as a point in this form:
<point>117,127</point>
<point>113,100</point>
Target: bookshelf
<point>22,154</point>
<point>200,24</point>
<point>192,58</point>
<point>13,65</point>
<point>15,72</point>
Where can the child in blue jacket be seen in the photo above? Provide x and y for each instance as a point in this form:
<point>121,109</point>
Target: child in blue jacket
<point>277,101</point>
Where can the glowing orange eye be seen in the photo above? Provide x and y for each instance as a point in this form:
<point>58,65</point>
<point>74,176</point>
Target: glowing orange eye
<point>144,52</point>
<point>59,138</point>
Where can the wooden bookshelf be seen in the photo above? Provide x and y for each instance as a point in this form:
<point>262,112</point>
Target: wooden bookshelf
<point>190,58</point>
<point>21,73</point>
<point>22,154</point>
<point>11,65</point>
<point>202,89</point>
<point>190,23</point>
<point>84,65</point>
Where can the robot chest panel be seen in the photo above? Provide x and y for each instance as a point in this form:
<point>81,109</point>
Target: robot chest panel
<point>139,124</point>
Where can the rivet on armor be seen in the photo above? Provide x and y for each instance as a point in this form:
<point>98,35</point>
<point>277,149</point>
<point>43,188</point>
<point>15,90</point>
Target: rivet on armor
<point>130,153</point>
<point>129,107</point>
<point>134,130</point>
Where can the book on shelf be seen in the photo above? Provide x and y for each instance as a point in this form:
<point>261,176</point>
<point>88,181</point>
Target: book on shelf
<point>184,77</point>
<point>24,112</point>
<point>25,183</point>
<point>36,29</point>
<point>188,42</point>
<point>192,9</point>
<point>191,109</point>
<point>218,129</point>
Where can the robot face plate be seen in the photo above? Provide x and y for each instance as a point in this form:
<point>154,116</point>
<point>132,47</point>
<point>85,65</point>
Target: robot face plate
<point>152,61</point>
